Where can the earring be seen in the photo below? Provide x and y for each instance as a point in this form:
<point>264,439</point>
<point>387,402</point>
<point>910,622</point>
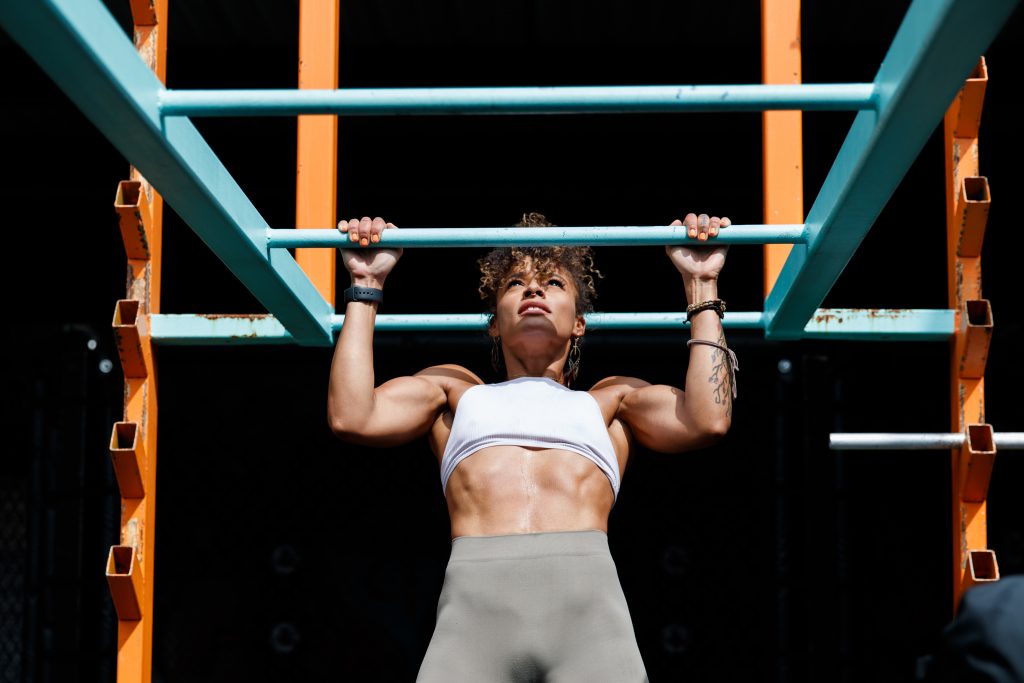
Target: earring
<point>572,365</point>
<point>496,354</point>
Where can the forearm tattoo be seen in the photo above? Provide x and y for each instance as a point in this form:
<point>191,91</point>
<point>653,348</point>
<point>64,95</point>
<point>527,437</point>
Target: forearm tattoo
<point>720,377</point>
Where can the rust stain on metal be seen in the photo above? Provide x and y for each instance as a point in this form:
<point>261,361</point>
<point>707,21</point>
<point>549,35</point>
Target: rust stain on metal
<point>141,228</point>
<point>826,316</point>
<point>235,316</point>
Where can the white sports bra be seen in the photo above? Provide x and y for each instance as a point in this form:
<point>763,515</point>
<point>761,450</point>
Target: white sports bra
<point>530,411</point>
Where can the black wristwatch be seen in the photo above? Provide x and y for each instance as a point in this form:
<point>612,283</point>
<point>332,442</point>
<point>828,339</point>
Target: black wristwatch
<point>363,294</point>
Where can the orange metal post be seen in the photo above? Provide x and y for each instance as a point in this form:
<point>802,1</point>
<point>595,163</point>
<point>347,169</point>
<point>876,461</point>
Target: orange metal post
<point>125,580</point>
<point>143,13</point>
<point>130,569</point>
<point>129,331</point>
<point>974,335</point>
<point>976,459</point>
<point>982,568</point>
<point>782,130</point>
<point>317,163</point>
<point>972,214</point>
<point>129,457</point>
<point>133,216</point>
<point>970,466</point>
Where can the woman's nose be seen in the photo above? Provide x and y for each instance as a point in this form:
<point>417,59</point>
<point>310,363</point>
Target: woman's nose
<point>533,290</point>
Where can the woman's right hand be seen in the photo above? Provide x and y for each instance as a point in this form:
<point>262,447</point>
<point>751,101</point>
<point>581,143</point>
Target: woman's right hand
<point>368,267</point>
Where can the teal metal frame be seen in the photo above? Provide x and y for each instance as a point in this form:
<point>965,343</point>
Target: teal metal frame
<point>87,54</point>
<point>936,47</point>
<point>832,323</point>
<point>596,236</point>
<point>553,100</point>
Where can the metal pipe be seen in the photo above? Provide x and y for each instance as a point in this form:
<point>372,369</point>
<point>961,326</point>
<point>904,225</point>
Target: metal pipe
<point>527,100</point>
<point>1013,441</point>
<point>626,236</point>
<point>595,321</point>
<point>858,324</point>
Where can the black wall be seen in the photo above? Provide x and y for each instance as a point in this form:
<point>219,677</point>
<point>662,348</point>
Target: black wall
<point>285,555</point>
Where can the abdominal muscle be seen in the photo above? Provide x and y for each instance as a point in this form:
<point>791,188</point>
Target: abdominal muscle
<point>518,490</point>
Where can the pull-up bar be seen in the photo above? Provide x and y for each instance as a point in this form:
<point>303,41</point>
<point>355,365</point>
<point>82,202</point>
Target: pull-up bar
<point>550,100</point>
<point>917,441</point>
<point>828,323</point>
<point>619,236</point>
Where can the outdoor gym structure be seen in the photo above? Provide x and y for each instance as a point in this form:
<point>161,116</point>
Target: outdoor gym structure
<point>933,70</point>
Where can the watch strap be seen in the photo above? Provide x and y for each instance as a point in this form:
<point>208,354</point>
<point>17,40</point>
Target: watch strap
<point>363,294</point>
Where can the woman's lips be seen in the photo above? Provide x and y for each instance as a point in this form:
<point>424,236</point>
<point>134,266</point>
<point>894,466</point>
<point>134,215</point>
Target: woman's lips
<point>533,308</point>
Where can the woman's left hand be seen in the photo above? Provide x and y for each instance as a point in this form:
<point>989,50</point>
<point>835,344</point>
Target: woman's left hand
<point>700,262</point>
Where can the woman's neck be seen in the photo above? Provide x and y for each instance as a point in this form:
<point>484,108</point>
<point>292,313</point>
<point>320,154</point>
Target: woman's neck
<point>548,374</point>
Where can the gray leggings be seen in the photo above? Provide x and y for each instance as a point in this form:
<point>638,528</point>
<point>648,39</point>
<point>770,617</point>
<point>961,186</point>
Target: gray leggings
<point>532,607</point>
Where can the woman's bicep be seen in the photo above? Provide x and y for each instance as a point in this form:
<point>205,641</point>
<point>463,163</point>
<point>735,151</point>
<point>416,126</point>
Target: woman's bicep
<point>656,416</point>
<point>404,409</point>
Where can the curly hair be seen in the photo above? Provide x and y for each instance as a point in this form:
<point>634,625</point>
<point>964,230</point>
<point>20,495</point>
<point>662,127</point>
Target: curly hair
<point>575,262</point>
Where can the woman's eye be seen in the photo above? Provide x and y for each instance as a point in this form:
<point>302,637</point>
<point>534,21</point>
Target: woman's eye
<point>513,283</point>
<point>556,282</point>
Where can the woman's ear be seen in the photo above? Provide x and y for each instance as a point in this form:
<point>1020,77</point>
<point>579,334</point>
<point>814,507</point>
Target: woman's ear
<point>580,328</point>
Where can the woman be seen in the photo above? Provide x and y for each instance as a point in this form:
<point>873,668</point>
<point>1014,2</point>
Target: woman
<point>531,592</point>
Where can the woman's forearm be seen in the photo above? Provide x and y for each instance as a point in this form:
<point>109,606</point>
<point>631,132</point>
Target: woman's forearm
<point>350,396</point>
<point>708,377</point>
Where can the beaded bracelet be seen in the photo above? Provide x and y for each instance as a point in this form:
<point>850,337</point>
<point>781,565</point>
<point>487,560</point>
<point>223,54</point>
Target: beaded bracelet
<point>717,304</point>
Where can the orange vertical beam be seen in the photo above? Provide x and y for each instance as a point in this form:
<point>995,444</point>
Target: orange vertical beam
<point>782,130</point>
<point>317,162</point>
<point>967,198</point>
<point>130,571</point>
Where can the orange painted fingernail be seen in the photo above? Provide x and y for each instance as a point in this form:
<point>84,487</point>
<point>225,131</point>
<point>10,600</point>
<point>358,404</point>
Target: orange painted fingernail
<point>702,237</point>
<point>375,238</point>
<point>364,242</point>
<point>693,232</point>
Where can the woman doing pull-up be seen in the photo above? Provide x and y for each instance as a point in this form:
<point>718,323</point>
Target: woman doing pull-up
<point>529,466</point>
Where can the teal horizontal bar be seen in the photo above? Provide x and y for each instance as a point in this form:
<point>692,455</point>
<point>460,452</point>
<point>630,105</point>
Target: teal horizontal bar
<point>528,100</point>
<point>477,322</point>
<point>628,236</point>
<point>831,323</point>
<point>881,324</point>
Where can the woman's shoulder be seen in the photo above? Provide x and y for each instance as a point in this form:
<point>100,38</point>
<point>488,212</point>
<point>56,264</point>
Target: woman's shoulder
<point>619,383</point>
<point>450,376</point>
<point>617,387</point>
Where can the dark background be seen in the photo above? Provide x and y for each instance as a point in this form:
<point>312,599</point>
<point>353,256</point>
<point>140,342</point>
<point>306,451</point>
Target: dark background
<point>285,555</point>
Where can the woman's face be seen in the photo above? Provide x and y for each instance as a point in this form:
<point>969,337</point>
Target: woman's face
<point>536,304</point>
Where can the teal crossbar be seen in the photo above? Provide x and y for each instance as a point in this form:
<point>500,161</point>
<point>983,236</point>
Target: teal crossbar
<point>837,323</point>
<point>596,236</point>
<point>554,100</point>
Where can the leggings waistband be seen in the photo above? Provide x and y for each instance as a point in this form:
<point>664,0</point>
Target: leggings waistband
<point>513,546</point>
